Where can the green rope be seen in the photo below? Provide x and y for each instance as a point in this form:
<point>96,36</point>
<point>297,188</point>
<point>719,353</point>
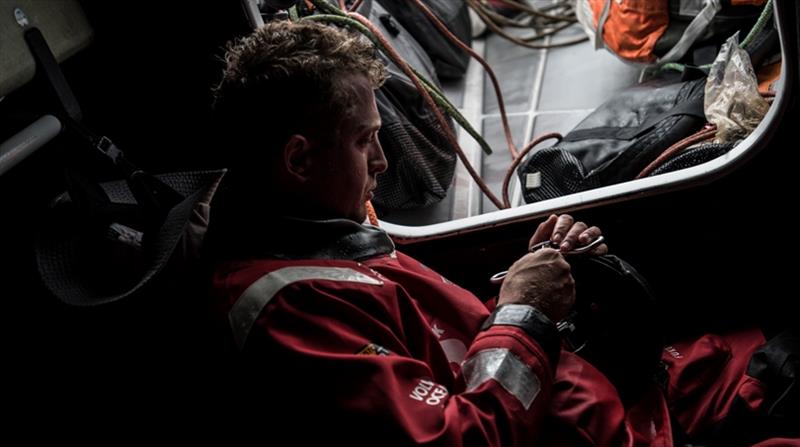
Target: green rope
<point>759,26</point>
<point>327,8</point>
<point>673,66</point>
<point>441,100</point>
<point>346,21</point>
<point>293,14</point>
<point>766,13</point>
<point>437,96</point>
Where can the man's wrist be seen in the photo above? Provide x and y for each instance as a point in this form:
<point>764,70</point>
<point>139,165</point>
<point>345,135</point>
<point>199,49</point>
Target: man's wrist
<point>531,320</point>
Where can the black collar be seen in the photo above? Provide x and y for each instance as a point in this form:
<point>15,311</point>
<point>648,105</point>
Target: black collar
<point>328,239</point>
<point>293,238</point>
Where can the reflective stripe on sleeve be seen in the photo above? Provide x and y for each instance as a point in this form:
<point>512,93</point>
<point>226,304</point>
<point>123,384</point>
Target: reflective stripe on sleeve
<point>248,307</point>
<point>505,368</point>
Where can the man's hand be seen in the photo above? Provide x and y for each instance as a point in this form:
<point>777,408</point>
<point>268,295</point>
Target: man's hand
<point>568,234</point>
<point>541,279</point>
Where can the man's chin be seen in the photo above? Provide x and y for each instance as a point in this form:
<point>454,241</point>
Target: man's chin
<point>361,215</point>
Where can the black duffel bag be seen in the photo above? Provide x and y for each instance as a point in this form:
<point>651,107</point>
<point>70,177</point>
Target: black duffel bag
<point>449,60</point>
<point>616,141</point>
<point>616,324</point>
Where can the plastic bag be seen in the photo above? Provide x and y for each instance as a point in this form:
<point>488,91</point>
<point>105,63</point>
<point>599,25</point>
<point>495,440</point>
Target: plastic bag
<point>732,101</point>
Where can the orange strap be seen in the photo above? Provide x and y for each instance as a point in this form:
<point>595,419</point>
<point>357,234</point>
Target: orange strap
<point>371,215</point>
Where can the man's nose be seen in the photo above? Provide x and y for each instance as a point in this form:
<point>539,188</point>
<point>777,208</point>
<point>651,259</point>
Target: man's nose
<point>377,160</point>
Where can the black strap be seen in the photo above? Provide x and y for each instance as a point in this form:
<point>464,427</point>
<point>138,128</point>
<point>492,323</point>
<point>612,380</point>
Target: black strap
<point>533,322</point>
<point>47,63</point>
<point>687,108</point>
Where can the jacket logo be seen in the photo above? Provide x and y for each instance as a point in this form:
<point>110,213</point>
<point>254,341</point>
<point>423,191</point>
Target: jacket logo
<point>673,352</point>
<point>374,349</point>
<point>429,392</point>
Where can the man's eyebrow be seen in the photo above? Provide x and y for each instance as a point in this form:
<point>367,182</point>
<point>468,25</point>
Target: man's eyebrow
<point>371,126</point>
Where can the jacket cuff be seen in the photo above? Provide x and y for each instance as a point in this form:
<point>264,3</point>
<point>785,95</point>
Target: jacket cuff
<point>533,322</point>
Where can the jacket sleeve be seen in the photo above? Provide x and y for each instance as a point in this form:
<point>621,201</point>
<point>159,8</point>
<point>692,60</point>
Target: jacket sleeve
<point>354,350</point>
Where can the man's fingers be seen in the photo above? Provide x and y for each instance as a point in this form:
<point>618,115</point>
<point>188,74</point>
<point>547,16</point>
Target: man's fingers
<point>571,239</point>
<point>543,231</point>
<point>567,234</point>
<point>589,235</point>
<point>563,225</point>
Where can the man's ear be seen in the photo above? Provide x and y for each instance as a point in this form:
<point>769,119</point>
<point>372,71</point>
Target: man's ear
<point>298,157</point>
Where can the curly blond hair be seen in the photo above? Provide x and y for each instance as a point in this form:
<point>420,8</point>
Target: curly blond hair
<point>285,49</point>
<point>288,78</point>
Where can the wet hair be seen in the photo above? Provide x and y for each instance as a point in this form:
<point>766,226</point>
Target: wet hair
<point>288,78</point>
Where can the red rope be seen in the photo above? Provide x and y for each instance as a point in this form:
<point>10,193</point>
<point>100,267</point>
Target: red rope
<point>518,160</point>
<point>371,214</point>
<point>495,84</point>
<point>451,138</point>
<point>704,134</point>
<point>355,5</point>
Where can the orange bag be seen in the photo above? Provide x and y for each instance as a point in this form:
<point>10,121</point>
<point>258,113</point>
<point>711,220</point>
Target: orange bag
<point>660,31</point>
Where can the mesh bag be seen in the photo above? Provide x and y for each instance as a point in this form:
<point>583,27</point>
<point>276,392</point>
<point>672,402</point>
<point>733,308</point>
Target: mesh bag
<point>421,162</point>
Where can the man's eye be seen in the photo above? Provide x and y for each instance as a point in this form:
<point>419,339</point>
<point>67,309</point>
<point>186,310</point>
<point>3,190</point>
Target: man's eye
<point>368,139</point>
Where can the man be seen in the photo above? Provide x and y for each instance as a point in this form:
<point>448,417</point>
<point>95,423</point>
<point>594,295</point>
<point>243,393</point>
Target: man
<point>349,340</point>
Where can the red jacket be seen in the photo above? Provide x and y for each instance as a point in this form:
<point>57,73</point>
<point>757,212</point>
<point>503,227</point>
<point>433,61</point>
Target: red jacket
<point>389,345</point>
<point>375,348</point>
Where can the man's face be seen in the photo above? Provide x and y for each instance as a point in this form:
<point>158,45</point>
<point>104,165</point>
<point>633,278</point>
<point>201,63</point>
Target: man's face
<point>346,174</point>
